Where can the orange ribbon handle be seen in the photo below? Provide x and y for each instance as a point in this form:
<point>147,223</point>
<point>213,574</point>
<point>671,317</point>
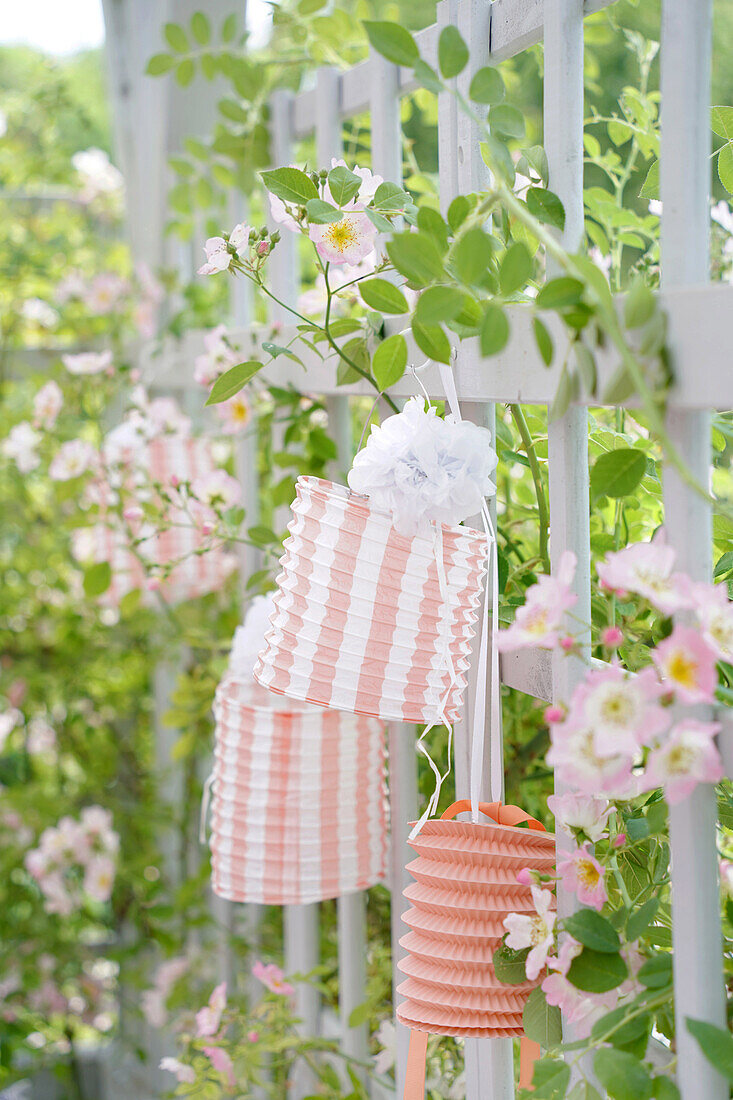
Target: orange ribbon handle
<point>417,1053</point>
<point>498,812</point>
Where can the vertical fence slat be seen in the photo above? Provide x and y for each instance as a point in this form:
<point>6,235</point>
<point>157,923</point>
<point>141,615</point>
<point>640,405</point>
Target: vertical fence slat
<point>489,1063</point>
<point>685,183</point>
<point>568,436</point>
<point>351,909</point>
<point>384,102</point>
<point>301,922</point>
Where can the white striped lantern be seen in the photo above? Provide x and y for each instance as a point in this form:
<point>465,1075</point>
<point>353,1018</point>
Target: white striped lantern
<point>298,807</point>
<point>189,563</point>
<point>363,621</point>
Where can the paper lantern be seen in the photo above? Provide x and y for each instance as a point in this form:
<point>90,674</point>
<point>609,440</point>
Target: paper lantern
<point>298,806</point>
<point>186,571</point>
<point>465,885</point>
<point>364,622</point>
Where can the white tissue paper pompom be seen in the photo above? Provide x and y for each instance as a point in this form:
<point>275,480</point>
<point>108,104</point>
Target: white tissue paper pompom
<point>423,469</point>
<point>247,641</point>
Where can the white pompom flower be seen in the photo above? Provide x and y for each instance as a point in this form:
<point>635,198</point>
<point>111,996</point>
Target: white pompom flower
<point>423,469</point>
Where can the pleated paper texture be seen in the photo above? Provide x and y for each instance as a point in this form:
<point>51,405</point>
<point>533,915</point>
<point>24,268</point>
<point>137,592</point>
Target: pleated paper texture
<point>298,806</point>
<point>360,622</point>
<point>192,573</point>
<point>465,885</point>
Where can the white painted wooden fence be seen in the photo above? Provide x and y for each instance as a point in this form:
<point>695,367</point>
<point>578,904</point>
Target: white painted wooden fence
<point>700,341</point>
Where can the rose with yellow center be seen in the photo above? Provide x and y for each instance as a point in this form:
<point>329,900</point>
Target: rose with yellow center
<point>347,241</point>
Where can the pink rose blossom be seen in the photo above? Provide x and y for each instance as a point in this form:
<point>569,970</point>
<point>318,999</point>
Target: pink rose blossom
<point>217,488</point>
<point>726,877</point>
<point>687,757</point>
<point>646,569</point>
<point>621,709</point>
<point>714,612</point>
<point>47,405</point>
<point>219,252</point>
<point>253,1036</point>
<point>686,663</point>
<point>222,1063</point>
<point>612,637</point>
<point>348,241</point>
<point>578,765</point>
<point>72,460</point>
<point>582,873</point>
<point>537,623</point>
<point>99,878</point>
<point>534,932</point>
<point>87,362</point>
<point>620,840</point>
<point>272,978</point>
<point>20,446</point>
<point>580,1010</point>
<point>567,643</point>
<point>524,876</point>
<point>235,414</point>
<point>208,1018</point>
<point>185,1075</point>
<point>217,357</point>
<point>580,812</point>
<point>553,714</point>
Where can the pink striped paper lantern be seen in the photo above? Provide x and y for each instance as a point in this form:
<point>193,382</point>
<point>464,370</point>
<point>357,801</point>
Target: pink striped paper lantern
<point>362,622</point>
<point>298,805</point>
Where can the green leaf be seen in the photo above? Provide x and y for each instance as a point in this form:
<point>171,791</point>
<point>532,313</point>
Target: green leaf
<point>343,184</point>
<point>201,28</point>
<point>229,28</point>
<point>617,473</point>
<point>664,1089</point>
<point>458,211</point>
<point>439,303</point>
<point>721,122</point>
<point>393,42</point>
<point>560,293</point>
<point>427,77</point>
<point>586,365</point>
<point>290,185</point>
<point>593,930</point>
<point>232,110</point>
<point>361,1014</point>
<point>725,167</point>
<point>416,257</point>
<point>160,63</point>
<point>622,1075</point>
<point>620,388</point>
<point>546,206</point>
<point>130,602</point>
<point>543,340</point>
<point>650,186</point>
<point>176,38</point>
<point>619,1031</point>
<point>452,52</point>
<point>640,919</point>
<point>509,966</point>
<point>430,222</point>
<point>233,380</point>
<point>432,340</point>
<point>185,72</point>
<point>656,973</point>
<point>487,86</point>
<point>596,971</point>
<point>541,1021</point>
<point>262,536</point>
<point>384,296</point>
<point>358,351</point>
<point>321,212</point>
<point>390,199</point>
<point>97,578</point>
<point>639,306</point>
<point>506,121</point>
<point>390,360</point>
<point>515,270</point>
<point>550,1079</point>
<point>470,255</point>
<point>494,332</point>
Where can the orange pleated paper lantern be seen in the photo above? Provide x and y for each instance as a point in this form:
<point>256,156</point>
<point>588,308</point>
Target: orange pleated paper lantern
<point>465,885</point>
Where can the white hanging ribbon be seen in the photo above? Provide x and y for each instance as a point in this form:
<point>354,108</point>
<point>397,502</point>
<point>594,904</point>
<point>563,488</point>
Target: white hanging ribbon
<point>478,725</point>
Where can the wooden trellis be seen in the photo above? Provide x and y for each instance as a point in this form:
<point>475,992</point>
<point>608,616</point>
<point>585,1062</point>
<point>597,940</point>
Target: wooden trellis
<point>699,339</point>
